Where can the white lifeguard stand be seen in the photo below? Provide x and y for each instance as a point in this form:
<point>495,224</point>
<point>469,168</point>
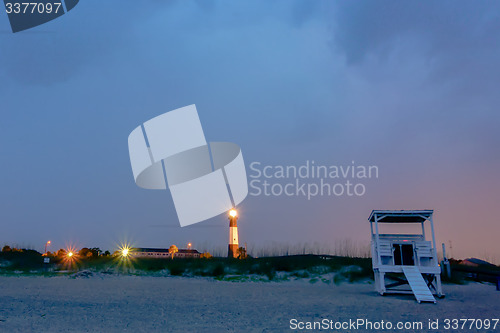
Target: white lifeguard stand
<point>408,254</point>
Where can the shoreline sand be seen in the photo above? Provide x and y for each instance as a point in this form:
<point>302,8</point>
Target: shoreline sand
<point>178,304</point>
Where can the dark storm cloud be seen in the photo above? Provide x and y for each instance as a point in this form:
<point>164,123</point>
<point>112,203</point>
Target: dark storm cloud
<point>456,42</point>
<point>362,28</point>
<point>53,52</point>
<point>304,10</point>
<point>413,50</point>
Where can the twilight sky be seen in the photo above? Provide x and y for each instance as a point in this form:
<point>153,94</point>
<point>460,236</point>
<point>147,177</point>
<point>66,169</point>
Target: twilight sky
<point>411,87</point>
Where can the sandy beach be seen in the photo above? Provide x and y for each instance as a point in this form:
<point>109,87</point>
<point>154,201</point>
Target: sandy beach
<point>113,303</point>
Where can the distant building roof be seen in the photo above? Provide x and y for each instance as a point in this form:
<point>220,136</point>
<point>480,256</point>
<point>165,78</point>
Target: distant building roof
<point>149,249</point>
<point>188,251</point>
<point>476,262</point>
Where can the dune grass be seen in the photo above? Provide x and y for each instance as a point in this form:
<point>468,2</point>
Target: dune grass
<point>266,268</point>
<point>310,267</point>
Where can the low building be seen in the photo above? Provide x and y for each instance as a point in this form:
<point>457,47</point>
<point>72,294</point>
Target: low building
<point>145,252</point>
<point>187,253</point>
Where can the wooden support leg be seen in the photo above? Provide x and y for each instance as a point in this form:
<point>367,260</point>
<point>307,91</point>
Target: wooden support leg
<point>377,281</point>
<point>439,288</point>
<point>382,283</point>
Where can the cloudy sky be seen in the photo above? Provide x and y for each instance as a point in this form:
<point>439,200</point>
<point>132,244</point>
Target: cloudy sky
<point>411,87</point>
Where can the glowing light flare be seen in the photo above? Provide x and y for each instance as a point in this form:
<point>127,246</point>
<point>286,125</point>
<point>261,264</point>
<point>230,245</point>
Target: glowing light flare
<point>124,257</point>
<point>71,254</point>
<point>70,258</point>
<point>233,213</point>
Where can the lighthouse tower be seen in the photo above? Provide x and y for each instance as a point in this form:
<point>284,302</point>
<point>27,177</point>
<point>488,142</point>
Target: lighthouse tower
<point>232,251</point>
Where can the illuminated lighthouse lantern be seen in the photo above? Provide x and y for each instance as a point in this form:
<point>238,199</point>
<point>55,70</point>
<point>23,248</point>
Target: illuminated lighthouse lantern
<point>232,251</point>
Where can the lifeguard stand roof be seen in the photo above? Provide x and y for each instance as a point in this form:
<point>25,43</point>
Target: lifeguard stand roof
<point>400,216</point>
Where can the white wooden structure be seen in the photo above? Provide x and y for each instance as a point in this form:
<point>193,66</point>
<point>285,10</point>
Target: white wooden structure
<point>408,254</point>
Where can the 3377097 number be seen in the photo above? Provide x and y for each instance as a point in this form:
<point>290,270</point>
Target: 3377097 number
<point>477,324</point>
<point>32,7</point>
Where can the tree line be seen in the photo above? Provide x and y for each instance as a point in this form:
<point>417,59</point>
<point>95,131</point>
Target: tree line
<point>85,252</point>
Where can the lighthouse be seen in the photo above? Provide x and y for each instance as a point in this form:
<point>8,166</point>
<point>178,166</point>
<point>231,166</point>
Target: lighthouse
<point>232,251</point>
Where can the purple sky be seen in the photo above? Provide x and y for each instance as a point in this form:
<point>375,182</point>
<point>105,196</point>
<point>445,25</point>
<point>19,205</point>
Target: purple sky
<point>411,88</point>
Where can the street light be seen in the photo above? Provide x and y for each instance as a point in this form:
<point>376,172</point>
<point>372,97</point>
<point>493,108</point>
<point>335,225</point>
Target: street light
<point>46,244</point>
<point>189,246</point>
